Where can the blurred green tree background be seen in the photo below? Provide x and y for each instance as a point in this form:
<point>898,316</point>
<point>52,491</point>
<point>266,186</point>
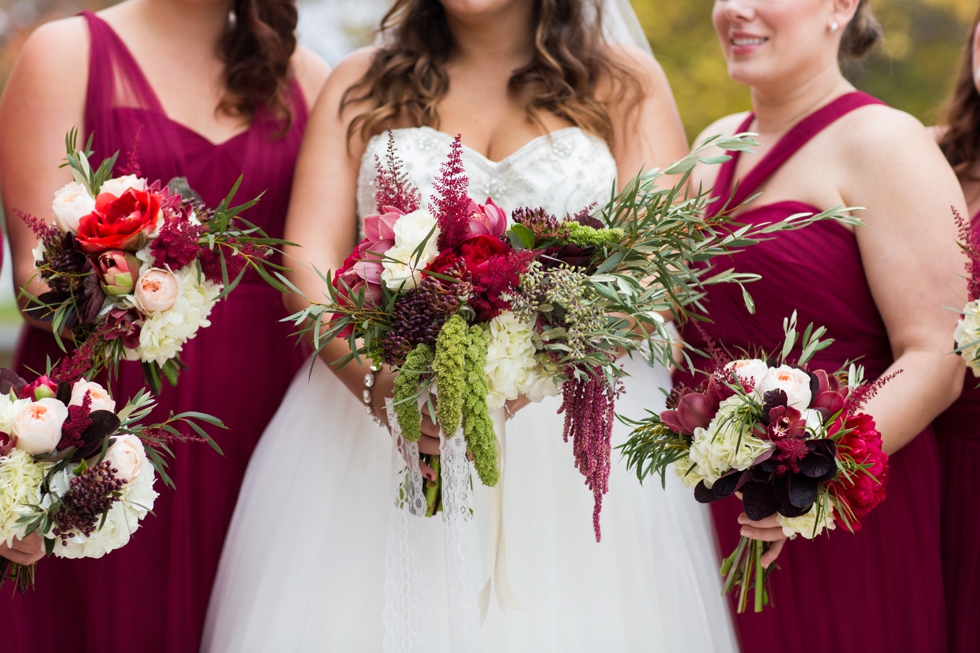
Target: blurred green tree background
<point>912,71</point>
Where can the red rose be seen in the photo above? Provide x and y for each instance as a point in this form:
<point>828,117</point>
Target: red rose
<point>119,222</point>
<point>477,251</point>
<point>861,492</point>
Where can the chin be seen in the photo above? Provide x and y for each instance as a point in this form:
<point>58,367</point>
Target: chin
<point>749,73</point>
<point>469,9</point>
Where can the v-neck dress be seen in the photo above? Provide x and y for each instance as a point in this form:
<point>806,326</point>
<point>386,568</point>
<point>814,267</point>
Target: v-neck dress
<point>879,589</point>
<point>151,596</point>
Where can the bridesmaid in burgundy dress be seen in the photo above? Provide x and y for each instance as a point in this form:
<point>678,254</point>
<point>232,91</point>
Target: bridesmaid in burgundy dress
<point>958,429</point>
<point>211,90</point>
<point>879,289</point>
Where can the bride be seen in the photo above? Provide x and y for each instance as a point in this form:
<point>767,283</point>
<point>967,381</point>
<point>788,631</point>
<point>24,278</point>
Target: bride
<point>551,115</point>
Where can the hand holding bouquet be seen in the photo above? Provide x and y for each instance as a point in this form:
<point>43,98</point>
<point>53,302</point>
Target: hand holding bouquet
<point>478,310</point>
<point>133,268</point>
<point>793,442</point>
<point>75,470</point>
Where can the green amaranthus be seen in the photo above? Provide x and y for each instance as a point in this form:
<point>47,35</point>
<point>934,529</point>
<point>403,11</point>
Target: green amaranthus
<point>449,365</point>
<point>405,404</point>
<point>477,425</point>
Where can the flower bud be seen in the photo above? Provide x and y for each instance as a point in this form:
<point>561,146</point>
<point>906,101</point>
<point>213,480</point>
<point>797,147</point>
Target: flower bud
<point>118,271</point>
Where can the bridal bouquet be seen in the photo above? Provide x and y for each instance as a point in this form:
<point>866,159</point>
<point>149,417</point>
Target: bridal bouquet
<point>134,268</point>
<point>478,310</point>
<point>793,442</point>
<point>967,333</point>
<point>75,470</point>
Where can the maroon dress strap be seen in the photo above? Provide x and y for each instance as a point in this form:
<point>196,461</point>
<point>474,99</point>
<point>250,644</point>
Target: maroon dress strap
<point>786,147</point>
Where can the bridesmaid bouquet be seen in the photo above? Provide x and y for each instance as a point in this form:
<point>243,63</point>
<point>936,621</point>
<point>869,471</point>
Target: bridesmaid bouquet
<point>967,334</point>
<point>75,470</point>
<point>479,310</point>
<point>794,443</point>
<point>134,268</point>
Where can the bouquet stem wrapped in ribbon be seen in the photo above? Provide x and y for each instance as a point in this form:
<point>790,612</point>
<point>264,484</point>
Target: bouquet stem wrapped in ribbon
<point>133,268</point>
<point>793,442</point>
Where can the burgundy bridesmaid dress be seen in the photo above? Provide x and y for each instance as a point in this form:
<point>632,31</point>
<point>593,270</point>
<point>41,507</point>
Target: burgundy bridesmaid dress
<point>152,595</point>
<point>958,431</point>
<point>881,588</point>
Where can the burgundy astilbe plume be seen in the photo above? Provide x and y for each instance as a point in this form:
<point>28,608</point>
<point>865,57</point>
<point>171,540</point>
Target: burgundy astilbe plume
<point>90,495</point>
<point>234,263</point>
<point>451,203</point>
<point>78,420</point>
<point>178,244</point>
<point>159,438</point>
<point>970,244</point>
<point>73,367</point>
<point>393,187</point>
<point>589,406</point>
<point>132,165</point>
<point>719,359</point>
<point>857,399</point>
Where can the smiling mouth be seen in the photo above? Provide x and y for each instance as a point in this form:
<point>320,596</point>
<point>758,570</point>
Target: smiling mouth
<point>747,42</point>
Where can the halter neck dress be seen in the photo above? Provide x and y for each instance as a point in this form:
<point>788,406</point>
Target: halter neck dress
<point>958,431</point>
<point>881,588</point>
<point>152,595</point>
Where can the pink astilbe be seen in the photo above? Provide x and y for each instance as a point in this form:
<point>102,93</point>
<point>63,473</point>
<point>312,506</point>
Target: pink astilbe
<point>970,244</point>
<point>393,187</point>
<point>589,407</point>
<point>857,399</point>
<point>451,204</point>
<point>78,420</point>
<point>132,165</point>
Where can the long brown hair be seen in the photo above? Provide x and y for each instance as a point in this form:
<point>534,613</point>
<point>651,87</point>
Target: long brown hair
<point>861,35</point>
<point>407,76</point>
<point>257,51</point>
<point>960,141</point>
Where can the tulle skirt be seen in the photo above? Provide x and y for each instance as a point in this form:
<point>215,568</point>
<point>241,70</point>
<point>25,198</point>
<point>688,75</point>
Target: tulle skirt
<point>303,568</point>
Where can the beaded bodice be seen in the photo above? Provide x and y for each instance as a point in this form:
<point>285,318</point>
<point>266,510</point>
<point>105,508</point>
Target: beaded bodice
<point>563,172</point>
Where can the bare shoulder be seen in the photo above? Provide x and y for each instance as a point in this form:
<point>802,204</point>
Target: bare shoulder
<point>347,73</point>
<point>61,45</point>
<point>883,136</point>
<point>311,71</point>
<point>644,68</point>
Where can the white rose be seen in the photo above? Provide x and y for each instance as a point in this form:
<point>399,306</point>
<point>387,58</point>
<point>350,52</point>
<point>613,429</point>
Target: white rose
<point>38,426</point>
<point>97,394</point>
<point>751,369</point>
<point>9,410</point>
<point>727,443</point>
<point>127,456</point>
<point>405,271</point>
<point>807,525</point>
<point>794,382</point>
<point>968,333</point>
<point>71,204</point>
<point>120,185</point>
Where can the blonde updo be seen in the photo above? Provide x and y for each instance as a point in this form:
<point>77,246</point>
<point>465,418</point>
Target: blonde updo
<point>861,35</point>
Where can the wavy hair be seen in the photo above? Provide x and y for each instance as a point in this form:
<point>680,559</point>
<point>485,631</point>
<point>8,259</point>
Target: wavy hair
<point>861,35</point>
<point>407,77</point>
<point>257,51</point>
<point>960,141</point>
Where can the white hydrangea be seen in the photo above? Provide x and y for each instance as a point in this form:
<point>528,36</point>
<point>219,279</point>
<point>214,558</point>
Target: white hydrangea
<point>514,367</point>
<point>164,333</point>
<point>727,443</point>
<point>807,525</point>
<point>404,272</point>
<point>968,333</point>
<point>122,520</point>
<point>20,485</point>
<point>689,477</point>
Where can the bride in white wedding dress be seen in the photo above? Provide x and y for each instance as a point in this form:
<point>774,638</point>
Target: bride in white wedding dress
<point>303,568</point>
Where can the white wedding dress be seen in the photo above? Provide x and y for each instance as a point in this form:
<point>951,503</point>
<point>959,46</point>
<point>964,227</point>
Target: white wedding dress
<point>303,568</point>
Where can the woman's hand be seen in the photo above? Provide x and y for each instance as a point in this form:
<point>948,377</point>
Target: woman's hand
<point>383,391</point>
<point>24,552</point>
<point>767,530</point>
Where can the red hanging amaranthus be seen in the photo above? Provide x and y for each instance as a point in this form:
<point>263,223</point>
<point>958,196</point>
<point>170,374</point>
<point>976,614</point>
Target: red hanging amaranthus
<point>589,405</point>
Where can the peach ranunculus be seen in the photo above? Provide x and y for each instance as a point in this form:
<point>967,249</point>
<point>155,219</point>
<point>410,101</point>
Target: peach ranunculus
<point>97,394</point>
<point>157,290</point>
<point>38,426</point>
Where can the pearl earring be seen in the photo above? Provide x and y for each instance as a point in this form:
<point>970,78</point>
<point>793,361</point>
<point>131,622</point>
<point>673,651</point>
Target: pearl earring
<point>834,27</point>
